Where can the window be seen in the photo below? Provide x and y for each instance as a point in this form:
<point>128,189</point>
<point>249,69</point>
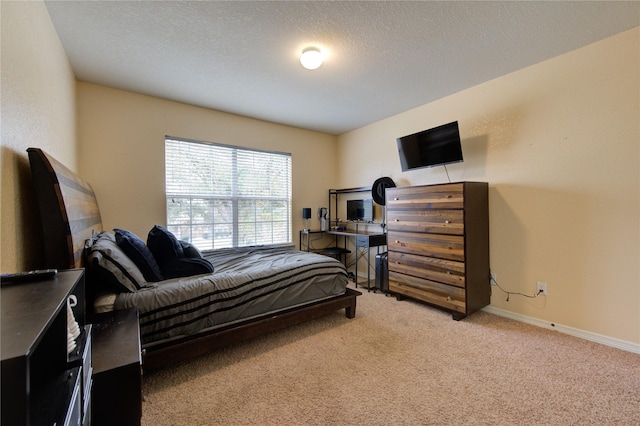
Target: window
<point>224,196</point>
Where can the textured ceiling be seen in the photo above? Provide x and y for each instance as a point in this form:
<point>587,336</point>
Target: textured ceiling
<point>383,57</point>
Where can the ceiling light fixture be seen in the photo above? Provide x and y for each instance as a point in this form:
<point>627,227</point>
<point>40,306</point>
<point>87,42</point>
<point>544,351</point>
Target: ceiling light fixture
<point>311,58</point>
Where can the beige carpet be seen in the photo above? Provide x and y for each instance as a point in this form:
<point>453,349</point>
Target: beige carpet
<point>401,363</point>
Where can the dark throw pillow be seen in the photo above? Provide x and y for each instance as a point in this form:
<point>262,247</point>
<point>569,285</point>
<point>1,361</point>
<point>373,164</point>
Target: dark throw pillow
<point>186,267</point>
<point>189,250</point>
<point>164,246</point>
<point>138,251</point>
<point>111,266</point>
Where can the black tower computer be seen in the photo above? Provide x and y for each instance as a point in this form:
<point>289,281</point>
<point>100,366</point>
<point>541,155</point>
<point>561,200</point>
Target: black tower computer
<point>382,272</point>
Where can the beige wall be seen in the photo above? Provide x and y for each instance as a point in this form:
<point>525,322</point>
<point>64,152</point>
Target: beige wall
<point>121,136</point>
<point>558,143</point>
<point>38,109</point>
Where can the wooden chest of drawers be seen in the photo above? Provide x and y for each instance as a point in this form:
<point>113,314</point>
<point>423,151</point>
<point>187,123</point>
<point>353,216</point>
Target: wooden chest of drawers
<point>438,245</point>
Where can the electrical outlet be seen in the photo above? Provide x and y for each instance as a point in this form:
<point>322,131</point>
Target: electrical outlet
<point>541,288</point>
<point>494,279</point>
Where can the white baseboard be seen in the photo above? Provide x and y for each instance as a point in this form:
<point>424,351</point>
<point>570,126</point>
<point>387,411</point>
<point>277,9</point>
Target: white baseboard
<point>594,337</point>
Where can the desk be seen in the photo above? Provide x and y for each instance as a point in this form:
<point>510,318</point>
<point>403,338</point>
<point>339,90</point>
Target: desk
<point>364,240</point>
<point>338,252</point>
<point>307,233</point>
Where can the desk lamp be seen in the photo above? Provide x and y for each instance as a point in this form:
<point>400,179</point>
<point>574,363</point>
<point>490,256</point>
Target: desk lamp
<point>306,215</point>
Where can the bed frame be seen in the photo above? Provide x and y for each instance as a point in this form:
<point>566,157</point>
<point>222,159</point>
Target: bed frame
<point>69,215</point>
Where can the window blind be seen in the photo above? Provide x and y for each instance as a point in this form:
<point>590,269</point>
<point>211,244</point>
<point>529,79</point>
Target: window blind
<point>224,196</point>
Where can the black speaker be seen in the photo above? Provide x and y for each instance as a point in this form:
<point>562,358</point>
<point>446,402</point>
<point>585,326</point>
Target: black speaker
<point>306,213</point>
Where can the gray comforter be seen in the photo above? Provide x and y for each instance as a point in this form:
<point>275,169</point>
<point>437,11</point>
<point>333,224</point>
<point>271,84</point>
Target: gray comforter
<point>246,282</point>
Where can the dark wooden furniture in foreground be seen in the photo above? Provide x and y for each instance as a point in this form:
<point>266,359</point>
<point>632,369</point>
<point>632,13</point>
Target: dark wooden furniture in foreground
<point>439,245</point>
<point>42,383</point>
<point>69,216</point>
<point>117,381</point>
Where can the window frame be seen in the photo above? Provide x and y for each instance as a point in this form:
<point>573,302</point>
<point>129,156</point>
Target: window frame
<point>280,227</point>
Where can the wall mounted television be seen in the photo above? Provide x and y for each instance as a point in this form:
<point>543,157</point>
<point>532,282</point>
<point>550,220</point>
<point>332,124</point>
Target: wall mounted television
<point>428,148</point>
<point>361,210</point>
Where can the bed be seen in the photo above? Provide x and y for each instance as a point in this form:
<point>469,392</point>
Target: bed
<point>251,291</point>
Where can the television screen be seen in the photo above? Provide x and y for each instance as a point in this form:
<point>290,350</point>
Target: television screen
<point>428,148</point>
<point>360,210</point>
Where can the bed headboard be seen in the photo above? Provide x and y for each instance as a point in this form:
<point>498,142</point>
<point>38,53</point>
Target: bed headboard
<point>68,210</point>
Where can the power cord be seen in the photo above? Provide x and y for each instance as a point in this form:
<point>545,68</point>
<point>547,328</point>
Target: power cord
<point>509,293</point>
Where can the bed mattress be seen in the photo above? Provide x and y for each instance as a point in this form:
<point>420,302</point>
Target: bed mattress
<point>246,282</point>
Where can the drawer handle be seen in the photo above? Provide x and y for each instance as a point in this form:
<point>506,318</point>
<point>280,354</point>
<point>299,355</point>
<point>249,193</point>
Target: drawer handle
<point>397,262</point>
<point>396,198</point>
<point>449,196</point>
<point>397,241</point>
<point>397,220</point>
<point>449,298</point>
<point>448,272</point>
<point>446,221</point>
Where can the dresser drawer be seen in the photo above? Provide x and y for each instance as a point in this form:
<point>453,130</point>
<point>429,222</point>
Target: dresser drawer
<point>449,196</point>
<point>439,294</point>
<point>434,245</point>
<point>449,222</point>
<point>430,268</point>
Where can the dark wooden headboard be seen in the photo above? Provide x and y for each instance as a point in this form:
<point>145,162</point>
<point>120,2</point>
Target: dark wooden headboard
<point>68,210</point>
